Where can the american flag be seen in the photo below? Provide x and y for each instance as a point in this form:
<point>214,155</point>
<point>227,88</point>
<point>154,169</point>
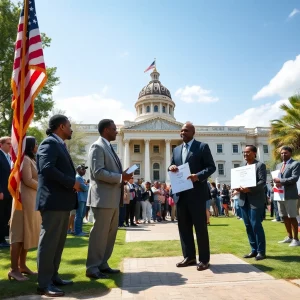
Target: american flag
<point>152,66</point>
<point>28,78</point>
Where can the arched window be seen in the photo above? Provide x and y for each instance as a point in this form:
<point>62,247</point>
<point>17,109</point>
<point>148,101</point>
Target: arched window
<point>156,171</point>
<point>155,108</point>
<point>164,109</point>
<point>148,109</point>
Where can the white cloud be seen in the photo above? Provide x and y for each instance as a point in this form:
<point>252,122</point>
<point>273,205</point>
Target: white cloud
<point>258,116</point>
<point>195,93</point>
<point>285,83</point>
<point>92,108</point>
<point>293,13</point>
<point>213,124</point>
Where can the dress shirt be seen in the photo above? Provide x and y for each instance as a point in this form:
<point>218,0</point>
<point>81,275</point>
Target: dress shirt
<point>185,150</point>
<point>109,145</point>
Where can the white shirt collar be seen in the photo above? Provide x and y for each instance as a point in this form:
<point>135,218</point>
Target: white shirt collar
<point>190,143</point>
<point>106,141</point>
<point>59,138</point>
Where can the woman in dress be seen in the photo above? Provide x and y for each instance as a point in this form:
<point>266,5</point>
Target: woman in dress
<point>25,224</point>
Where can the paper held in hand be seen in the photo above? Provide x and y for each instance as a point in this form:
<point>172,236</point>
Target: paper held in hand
<point>179,181</point>
<point>132,169</point>
<point>243,177</point>
<point>278,191</point>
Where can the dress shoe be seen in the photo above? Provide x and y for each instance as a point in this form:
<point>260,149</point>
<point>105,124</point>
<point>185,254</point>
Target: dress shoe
<point>202,266</point>
<point>250,255</point>
<point>18,276</point>
<point>97,275</point>
<point>58,281</point>
<point>187,262</point>
<point>110,271</point>
<point>133,225</point>
<point>260,256</point>
<point>50,291</point>
<point>4,245</point>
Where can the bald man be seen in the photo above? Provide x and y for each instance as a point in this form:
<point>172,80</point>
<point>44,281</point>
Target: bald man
<point>191,205</point>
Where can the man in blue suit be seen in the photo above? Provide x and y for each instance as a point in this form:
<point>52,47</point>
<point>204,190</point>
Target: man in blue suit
<point>56,197</point>
<point>191,205</point>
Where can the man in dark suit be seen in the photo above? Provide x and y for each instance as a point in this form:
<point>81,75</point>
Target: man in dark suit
<point>288,210</point>
<point>191,205</point>
<point>252,202</point>
<point>5,197</point>
<point>56,197</point>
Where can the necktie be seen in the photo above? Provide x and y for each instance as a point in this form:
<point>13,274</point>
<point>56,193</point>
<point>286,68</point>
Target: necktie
<point>185,151</point>
<point>283,167</point>
<point>116,157</point>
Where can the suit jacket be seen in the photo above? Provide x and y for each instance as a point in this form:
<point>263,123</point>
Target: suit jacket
<point>56,177</point>
<point>4,175</point>
<point>201,163</point>
<point>105,186</point>
<point>289,179</point>
<point>257,195</point>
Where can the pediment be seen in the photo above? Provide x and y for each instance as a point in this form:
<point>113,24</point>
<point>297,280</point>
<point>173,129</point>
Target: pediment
<point>155,124</point>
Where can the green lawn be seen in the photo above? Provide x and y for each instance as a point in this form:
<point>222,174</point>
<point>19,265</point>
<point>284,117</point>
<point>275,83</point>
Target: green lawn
<point>227,235</point>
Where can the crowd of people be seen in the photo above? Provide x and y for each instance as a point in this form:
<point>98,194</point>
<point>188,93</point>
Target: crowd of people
<point>56,199</point>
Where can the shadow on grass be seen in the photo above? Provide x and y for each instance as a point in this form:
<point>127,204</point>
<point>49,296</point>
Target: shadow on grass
<point>238,268</point>
<point>285,258</point>
<point>217,225</point>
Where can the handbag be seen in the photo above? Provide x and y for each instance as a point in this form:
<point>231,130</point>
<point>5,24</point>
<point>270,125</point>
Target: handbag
<point>171,201</point>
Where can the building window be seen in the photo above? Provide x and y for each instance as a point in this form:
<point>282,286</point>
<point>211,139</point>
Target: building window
<point>155,108</point>
<point>155,149</point>
<point>156,171</point>
<point>219,148</point>
<point>136,149</point>
<point>235,148</point>
<point>236,165</point>
<point>148,109</point>
<point>266,149</point>
<point>221,169</point>
<point>138,171</point>
<point>115,147</point>
<point>164,109</point>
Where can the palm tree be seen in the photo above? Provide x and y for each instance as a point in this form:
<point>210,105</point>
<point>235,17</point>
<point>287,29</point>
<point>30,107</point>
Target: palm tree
<point>286,130</point>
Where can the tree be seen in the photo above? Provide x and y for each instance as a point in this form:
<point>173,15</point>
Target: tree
<point>9,18</point>
<point>286,130</point>
<point>37,133</point>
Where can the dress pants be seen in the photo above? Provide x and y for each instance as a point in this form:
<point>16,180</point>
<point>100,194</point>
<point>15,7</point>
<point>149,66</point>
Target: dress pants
<point>130,211</point>
<point>5,212</point>
<point>51,244</point>
<point>122,214</point>
<point>137,209</point>
<point>191,211</point>
<point>253,221</point>
<point>102,238</point>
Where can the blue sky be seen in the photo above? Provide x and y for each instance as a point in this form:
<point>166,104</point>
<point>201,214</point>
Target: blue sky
<point>214,56</point>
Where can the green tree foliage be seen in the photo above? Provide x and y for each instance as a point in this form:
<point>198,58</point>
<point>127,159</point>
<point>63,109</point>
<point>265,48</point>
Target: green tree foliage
<point>286,130</point>
<point>9,18</point>
<point>37,133</point>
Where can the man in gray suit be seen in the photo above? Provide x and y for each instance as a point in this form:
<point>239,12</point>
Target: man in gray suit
<point>104,197</point>
<point>252,202</point>
<point>289,175</point>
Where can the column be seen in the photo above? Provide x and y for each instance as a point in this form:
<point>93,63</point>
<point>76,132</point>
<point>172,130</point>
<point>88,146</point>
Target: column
<point>168,159</point>
<point>160,108</point>
<point>126,155</point>
<point>152,110</point>
<point>260,152</point>
<point>168,109</point>
<point>147,161</point>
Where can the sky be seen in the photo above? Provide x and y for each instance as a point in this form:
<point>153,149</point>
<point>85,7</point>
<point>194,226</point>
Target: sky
<point>225,62</point>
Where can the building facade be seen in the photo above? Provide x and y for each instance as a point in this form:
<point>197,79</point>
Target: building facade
<point>148,141</point>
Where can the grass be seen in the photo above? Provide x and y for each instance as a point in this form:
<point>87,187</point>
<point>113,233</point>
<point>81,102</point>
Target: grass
<point>227,235</point>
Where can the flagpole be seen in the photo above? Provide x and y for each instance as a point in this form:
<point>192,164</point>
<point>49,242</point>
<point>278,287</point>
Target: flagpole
<point>22,91</point>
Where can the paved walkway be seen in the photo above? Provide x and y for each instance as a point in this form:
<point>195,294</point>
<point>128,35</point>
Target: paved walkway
<point>229,278</point>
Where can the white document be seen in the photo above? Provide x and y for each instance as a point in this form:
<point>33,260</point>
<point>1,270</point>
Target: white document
<point>278,192</point>
<point>132,169</point>
<point>179,181</point>
<point>243,177</point>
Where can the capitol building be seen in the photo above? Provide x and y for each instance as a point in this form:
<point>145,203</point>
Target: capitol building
<point>148,141</point>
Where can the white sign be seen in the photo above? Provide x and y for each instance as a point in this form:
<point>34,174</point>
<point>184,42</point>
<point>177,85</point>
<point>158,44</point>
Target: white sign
<point>243,177</point>
<point>179,181</point>
<point>132,169</point>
